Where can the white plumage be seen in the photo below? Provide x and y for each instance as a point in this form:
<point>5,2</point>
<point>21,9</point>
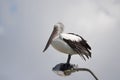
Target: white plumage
<point>59,44</point>
<point>70,37</point>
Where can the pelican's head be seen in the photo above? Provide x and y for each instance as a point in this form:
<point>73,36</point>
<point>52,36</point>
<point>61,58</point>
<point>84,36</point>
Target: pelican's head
<point>58,28</point>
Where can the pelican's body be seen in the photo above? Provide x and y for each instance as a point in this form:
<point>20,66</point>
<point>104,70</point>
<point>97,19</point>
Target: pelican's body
<point>68,43</point>
<point>59,44</point>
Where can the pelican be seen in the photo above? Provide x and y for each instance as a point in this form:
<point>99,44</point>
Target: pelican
<point>68,43</point>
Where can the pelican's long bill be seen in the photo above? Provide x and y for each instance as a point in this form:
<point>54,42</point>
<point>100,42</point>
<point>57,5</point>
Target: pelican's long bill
<point>54,33</point>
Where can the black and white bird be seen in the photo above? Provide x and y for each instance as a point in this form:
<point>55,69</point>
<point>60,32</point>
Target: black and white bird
<point>68,43</point>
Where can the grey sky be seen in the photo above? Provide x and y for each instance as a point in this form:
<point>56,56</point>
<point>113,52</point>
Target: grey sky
<point>25,26</point>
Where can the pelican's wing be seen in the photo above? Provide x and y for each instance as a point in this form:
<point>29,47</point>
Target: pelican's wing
<point>78,44</point>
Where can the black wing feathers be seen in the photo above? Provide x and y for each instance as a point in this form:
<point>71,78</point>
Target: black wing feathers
<point>74,45</point>
<point>81,47</point>
<point>83,42</point>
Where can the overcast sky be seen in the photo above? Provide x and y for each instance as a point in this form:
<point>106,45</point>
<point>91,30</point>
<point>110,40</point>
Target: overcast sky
<point>25,26</point>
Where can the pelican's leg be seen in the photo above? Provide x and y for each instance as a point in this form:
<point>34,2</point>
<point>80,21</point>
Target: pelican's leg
<point>68,60</point>
<point>66,65</point>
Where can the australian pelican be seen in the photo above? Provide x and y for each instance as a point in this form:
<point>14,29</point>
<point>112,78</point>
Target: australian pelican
<point>68,43</point>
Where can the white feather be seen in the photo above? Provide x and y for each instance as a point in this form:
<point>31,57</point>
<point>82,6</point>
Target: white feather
<point>62,46</point>
<point>70,37</point>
